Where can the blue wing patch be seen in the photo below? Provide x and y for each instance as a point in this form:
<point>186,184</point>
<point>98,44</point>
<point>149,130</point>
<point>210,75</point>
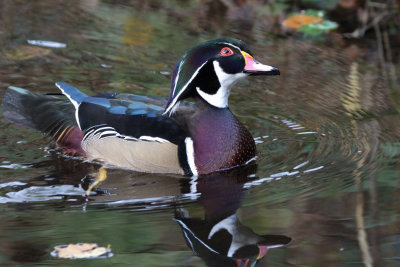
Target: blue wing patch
<point>104,102</point>
<point>74,95</point>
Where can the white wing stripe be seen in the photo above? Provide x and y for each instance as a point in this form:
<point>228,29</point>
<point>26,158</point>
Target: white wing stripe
<point>154,139</point>
<point>107,131</point>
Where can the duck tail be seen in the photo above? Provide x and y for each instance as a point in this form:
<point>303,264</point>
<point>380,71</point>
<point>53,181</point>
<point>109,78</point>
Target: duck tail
<point>51,115</point>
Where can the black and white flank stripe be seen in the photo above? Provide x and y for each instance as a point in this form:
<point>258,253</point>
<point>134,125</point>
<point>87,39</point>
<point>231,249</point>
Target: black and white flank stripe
<point>103,131</point>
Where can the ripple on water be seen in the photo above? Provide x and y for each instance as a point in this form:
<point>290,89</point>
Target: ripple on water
<point>39,193</point>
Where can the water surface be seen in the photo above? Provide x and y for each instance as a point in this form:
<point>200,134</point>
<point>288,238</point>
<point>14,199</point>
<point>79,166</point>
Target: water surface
<point>327,133</point>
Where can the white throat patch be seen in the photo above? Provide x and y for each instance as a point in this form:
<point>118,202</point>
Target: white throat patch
<point>220,98</point>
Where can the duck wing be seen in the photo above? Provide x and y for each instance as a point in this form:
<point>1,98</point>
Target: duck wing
<point>130,131</point>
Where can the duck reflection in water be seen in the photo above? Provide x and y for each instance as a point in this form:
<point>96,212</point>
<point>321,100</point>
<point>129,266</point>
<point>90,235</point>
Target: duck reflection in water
<point>220,239</point>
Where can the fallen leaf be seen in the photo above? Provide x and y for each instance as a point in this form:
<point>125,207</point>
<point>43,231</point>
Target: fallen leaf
<point>81,251</point>
<point>297,21</point>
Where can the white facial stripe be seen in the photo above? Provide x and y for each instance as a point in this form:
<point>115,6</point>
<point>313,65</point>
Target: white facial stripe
<point>183,88</point>
<point>169,109</point>
<point>220,98</point>
<point>190,155</point>
<point>231,45</point>
<point>177,76</point>
<point>174,108</point>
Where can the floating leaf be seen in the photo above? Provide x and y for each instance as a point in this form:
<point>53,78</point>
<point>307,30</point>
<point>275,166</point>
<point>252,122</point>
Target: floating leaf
<point>297,21</point>
<point>310,22</point>
<point>318,28</point>
<point>315,13</point>
<point>81,251</point>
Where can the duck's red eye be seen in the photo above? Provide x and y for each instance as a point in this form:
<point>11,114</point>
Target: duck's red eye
<point>226,51</point>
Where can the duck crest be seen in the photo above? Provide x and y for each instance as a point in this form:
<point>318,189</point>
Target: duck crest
<point>220,141</point>
<point>195,71</point>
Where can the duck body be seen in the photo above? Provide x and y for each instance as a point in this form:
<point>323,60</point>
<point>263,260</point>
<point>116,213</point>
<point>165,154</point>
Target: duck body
<point>152,134</point>
<point>130,131</point>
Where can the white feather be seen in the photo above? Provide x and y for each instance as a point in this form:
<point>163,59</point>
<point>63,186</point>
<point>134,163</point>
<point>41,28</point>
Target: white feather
<point>190,155</point>
<point>229,44</point>
<point>153,139</point>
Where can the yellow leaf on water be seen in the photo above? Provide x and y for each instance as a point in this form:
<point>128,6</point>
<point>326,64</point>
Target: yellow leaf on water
<point>81,251</point>
<point>297,21</point>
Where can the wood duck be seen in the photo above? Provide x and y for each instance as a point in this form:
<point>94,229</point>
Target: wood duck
<point>152,134</point>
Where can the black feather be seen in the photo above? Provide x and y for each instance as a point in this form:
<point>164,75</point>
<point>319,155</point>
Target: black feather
<point>45,113</point>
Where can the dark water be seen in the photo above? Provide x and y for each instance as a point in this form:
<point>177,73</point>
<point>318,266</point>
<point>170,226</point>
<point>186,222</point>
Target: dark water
<point>327,129</point>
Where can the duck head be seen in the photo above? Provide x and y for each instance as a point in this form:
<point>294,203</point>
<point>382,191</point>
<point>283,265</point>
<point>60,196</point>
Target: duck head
<point>209,70</point>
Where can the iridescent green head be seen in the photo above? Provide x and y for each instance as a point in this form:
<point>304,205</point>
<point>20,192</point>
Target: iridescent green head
<point>210,69</point>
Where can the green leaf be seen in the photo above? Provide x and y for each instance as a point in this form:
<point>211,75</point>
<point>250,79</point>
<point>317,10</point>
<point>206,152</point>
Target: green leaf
<point>315,13</point>
<point>318,28</point>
